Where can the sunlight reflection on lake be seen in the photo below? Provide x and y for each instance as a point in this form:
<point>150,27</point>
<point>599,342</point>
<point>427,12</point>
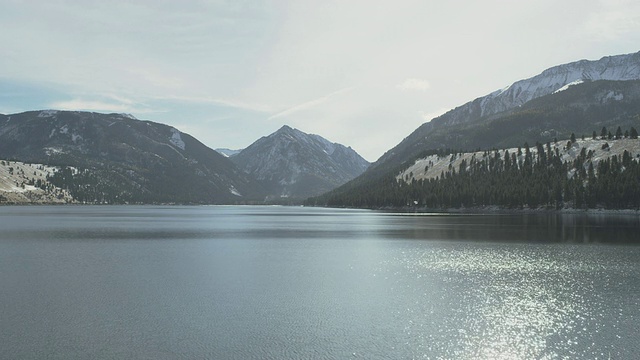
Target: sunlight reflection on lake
<point>519,301</point>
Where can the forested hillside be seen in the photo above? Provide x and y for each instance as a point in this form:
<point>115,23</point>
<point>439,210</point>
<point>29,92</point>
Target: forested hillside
<point>597,172</point>
<point>578,109</point>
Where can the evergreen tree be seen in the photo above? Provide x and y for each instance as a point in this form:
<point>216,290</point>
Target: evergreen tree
<point>541,180</point>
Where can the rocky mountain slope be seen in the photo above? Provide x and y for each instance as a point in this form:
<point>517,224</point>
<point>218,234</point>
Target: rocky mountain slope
<point>484,109</point>
<point>580,109</point>
<point>22,183</point>
<point>119,159</point>
<point>292,164</point>
<point>616,68</point>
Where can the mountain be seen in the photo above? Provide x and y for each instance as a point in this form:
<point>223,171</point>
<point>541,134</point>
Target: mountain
<point>578,98</point>
<point>598,172</point>
<point>433,134</point>
<point>616,68</point>
<point>115,158</point>
<point>580,109</point>
<point>292,164</point>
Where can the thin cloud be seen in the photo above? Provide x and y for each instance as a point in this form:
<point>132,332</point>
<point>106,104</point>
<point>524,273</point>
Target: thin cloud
<point>414,84</point>
<point>219,101</point>
<point>309,104</point>
<point>614,20</point>
<point>95,105</point>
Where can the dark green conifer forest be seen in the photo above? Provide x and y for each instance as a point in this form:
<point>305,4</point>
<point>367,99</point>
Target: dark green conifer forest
<point>537,179</point>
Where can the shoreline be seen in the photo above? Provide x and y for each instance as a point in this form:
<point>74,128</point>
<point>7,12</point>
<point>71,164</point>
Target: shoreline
<point>495,210</point>
<point>486,210</point>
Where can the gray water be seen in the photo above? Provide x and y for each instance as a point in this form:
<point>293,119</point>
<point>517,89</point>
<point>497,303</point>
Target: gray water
<point>143,282</point>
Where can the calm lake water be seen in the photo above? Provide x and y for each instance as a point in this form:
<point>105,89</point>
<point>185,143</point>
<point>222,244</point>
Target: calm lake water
<point>147,282</point>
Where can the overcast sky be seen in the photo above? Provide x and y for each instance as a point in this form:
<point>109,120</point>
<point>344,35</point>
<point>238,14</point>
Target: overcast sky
<point>362,73</point>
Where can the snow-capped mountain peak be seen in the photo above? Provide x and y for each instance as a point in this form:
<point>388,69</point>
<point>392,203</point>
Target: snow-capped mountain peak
<point>620,67</point>
<point>557,78</point>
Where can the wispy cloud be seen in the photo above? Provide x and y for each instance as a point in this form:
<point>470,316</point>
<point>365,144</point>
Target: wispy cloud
<point>310,104</point>
<point>610,20</point>
<point>116,103</point>
<point>97,105</point>
<point>414,84</point>
<point>238,104</point>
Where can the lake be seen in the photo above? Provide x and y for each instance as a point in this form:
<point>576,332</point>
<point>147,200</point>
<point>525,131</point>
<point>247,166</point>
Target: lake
<point>224,282</point>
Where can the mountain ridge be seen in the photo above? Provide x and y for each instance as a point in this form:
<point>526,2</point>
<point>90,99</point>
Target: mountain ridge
<point>293,164</point>
<point>615,68</point>
<point>124,160</point>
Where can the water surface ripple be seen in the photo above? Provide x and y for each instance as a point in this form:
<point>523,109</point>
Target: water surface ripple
<point>151,282</point>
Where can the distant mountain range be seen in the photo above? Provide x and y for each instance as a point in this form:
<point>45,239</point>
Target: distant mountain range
<point>579,98</point>
<point>115,158</point>
<point>292,164</point>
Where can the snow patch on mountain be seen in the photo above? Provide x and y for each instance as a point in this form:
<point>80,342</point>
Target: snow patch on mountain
<point>612,95</point>
<point>228,152</point>
<point>577,82</point>
<point>621,67</point>
<point>128,116</point>
<point>53,151</point>
<point>176,139</point>
<point>47,113</point>
<point>234,191</point>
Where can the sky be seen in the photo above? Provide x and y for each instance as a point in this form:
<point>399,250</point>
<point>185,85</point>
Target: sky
<point>363,73</point>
